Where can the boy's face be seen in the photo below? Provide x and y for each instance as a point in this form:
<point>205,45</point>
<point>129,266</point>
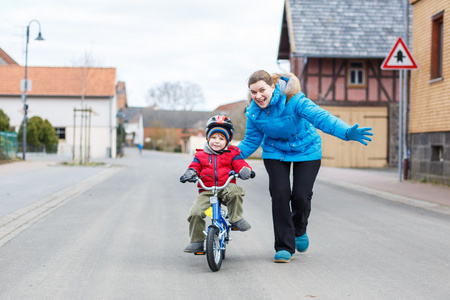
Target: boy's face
<point>217,142</point>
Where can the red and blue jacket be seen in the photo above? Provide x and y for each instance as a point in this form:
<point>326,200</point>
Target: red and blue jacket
<point>214,169</point>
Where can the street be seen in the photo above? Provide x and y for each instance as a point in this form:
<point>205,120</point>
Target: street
<point>123,238</point>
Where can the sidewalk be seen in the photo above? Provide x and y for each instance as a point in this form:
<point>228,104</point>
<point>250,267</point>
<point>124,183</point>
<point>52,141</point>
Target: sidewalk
<point>25,182</point>
<point>385,183</point>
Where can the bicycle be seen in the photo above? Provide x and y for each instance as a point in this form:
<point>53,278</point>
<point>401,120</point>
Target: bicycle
<point>218,233</point>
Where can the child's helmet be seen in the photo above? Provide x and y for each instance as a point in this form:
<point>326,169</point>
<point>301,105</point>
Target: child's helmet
<point>220,124</point>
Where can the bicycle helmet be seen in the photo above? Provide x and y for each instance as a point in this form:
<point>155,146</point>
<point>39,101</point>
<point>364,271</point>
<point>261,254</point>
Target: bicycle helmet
<point>219,124</point>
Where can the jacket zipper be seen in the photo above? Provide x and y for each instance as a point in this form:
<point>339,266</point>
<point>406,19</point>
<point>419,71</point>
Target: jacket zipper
<point>215,170</point>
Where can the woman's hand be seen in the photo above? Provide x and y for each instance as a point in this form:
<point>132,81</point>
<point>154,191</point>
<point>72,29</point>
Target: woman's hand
<point>359,134</point>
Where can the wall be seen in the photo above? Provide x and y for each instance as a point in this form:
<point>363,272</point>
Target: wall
<point>60,113</point>
<point>430,105</point>
<point>426,166</point>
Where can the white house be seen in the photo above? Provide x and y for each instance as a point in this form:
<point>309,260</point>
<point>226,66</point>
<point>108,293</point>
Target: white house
<point>57,94</point>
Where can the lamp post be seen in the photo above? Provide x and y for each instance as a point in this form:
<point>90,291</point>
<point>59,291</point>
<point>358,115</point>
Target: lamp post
<point>25,87</point>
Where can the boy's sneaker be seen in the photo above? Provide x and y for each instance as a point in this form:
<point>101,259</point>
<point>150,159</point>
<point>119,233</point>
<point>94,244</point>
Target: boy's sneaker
<point>282,256</point>
<point>302,243</point>
<point>194,247</point>
<point>241,225</point>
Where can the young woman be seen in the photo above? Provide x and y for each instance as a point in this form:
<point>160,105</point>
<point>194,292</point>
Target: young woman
<point>283,121</point>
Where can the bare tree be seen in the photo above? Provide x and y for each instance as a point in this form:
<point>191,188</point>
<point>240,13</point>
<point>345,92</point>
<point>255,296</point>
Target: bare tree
<point>84,62</point>
<point>176,95</point>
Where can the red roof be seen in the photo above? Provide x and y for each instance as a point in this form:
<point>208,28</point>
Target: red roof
<point>4,56</point>
<point>232,106</point>
<point>58,81</point>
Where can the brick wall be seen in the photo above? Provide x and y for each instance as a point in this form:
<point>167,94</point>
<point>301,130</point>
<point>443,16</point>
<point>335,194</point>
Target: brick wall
<point>430,157</point>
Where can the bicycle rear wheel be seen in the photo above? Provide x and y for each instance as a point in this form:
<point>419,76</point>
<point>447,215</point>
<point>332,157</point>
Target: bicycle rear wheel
<point>213,251</point>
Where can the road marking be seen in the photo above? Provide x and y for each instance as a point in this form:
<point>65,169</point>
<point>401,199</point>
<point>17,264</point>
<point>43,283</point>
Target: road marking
<point>14,223</point>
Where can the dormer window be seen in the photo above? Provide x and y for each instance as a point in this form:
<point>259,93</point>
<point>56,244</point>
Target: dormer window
<point>356,74</point>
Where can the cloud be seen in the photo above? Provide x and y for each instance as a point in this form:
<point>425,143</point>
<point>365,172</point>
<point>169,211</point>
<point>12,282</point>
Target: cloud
<point>216,44</point>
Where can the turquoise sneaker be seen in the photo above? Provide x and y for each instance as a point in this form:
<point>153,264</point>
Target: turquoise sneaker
<point>302,243</point>
<point>282,256</point>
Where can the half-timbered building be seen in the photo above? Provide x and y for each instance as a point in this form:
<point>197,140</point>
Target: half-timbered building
<point>336,48</point>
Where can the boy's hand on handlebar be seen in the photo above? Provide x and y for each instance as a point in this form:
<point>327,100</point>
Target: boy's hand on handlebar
<point>245,173</point>
<point>189,175</point>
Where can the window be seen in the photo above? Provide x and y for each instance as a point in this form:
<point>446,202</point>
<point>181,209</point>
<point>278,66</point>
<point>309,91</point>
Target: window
<point>356,74</point>
<point>437,153</point>
<point>437,42</point>
<point>60,133</point>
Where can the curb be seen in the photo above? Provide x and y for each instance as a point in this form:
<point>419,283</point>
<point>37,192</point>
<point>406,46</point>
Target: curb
<point>435,207</point>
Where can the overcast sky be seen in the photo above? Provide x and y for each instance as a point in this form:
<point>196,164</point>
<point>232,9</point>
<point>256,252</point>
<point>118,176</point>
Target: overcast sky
<point>216,44</point>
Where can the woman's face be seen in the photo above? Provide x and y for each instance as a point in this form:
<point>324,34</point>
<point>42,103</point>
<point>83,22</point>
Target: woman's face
<point>261,93</point>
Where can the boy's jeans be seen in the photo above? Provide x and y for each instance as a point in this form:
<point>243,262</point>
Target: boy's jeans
<point>232,195</point>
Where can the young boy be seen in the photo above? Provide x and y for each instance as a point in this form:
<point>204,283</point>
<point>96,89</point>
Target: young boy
<point>213,165</point>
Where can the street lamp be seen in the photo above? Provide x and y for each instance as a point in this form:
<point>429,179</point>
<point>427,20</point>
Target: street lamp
<point>25,85</point>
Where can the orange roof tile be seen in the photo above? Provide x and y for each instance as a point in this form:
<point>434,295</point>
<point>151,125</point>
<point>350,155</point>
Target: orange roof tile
<point>4,56</point>
<point>58,81</point>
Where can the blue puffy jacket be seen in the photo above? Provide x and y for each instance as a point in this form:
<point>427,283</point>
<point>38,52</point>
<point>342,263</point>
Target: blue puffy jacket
<point>286,129</point>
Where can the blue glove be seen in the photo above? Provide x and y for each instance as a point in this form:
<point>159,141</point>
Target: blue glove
<point>359,134</point>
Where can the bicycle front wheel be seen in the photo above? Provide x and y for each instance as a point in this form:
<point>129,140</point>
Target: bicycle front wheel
<point>213,251</point>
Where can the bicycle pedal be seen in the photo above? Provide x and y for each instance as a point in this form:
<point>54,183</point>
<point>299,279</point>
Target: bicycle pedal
<point>200,253</point>
<point>234,229</point>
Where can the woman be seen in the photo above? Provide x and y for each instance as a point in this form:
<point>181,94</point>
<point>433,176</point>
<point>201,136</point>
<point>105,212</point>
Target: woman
<point>283,121</point>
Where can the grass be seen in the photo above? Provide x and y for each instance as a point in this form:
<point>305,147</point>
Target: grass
<point>91,164</point>
<point>7,161</point>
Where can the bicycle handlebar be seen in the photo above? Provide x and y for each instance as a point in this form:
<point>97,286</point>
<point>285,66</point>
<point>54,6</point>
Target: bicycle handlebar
<point>216,187</point>
<point>233,175</point>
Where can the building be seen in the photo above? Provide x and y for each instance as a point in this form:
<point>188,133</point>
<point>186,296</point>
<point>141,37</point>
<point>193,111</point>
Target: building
<point>170,129</point>
<point>58,94</point>
<point>336,49</point>
<point>429,92</point>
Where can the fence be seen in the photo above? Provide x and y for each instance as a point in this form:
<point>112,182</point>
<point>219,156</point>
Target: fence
<point>8,145</point>
<point>41,148</point>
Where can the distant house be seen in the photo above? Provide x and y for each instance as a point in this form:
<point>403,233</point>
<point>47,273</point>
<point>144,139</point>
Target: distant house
<point>5,59</point>
<point>121,92</point>
<point>236,112</point>
<point>170,129</point>
<point>55,94</point>
<point>430,86</point>
<point>336,49</point>
<point>238,106</point>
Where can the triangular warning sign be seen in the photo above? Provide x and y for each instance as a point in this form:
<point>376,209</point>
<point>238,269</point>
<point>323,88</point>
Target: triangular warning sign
<point>399,58</point>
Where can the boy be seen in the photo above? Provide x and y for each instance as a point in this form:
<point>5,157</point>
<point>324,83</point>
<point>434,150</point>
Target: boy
<point>213,165</point>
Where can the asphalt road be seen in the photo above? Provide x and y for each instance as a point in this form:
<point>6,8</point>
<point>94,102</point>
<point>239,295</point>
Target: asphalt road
<point>123,238</point>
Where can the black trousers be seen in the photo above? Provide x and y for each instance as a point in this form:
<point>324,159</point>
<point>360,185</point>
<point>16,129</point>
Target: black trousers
<point>290,209</point>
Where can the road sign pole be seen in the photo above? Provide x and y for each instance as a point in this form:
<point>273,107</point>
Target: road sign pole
<point>405,129</point>
<point>400,125</point>
<point>400,59</point>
